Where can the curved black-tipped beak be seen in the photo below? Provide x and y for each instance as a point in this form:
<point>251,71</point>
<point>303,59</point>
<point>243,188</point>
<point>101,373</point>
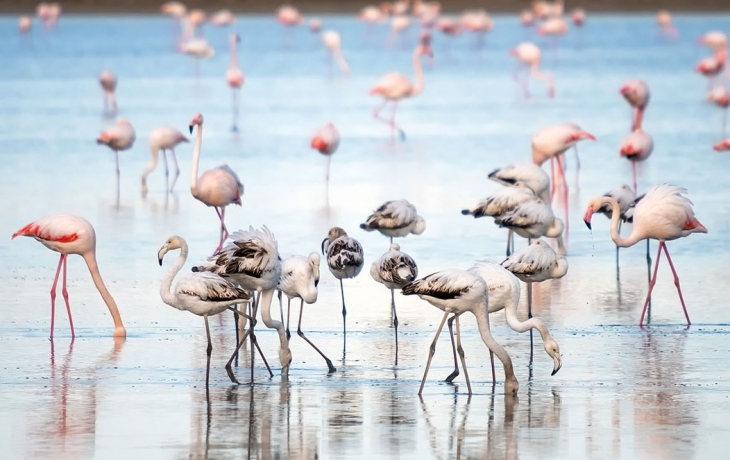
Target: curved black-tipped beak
<point>191,129</point>
<point>558,365</point>
<point>323,245</point>
<point>588,224</point>
<point>159,259</point>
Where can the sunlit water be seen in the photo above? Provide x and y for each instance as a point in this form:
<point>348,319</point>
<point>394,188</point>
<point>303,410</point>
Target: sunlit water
<point>660,393</point>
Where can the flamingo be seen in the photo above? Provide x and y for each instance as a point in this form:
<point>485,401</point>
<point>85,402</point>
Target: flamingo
<point>331,41</point>
<point>201,293</point>
<point>554,27</point>
<point>197,48</point>
<point>48,13</point>
<point>222,18</point>
<point>288,16</point>
<point>525,174</point>
<point>624,196</point>
<point>108,82</point>
<point>722,146</point>
<point>24,24</point>
<point>527,19</point>
<point>721,98</point>
<point>502,202</point>
<point>315,25</point>
<point>163,138</point>
<point>534,219</point>
<point>252,261</point>
<point>396,219</point>
<point>395,86</point>
<point>477,22</point>
<point>196,18</point>
<point>345,260</point>
<point>299,279</point>
<point>529,56</point>
<point>664,21</point>
<point>578,16</point>
<point>710,67</point>
<point>234,77</point>
<point>663,214</point>
<point>399,24</point>
<point>715,40</point>
<point>326,140</point>
<point>448,26</point>
<point>371,14</point>
<point>636,147</point>
<point>217,187</point>
<point>394,270</point>
<point>118,137</point>
<point>536,263</point>
<point>71,234</point>
<point>457,292</point>
<point>177,11</point>
<point>636,92</point>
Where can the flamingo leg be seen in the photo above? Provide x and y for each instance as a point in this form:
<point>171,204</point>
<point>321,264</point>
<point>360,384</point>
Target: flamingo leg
<point>633,173</point>
<point>177,169</point>
<point>64,292</point>
<point>619,232</point>
<point>577,165</point>
<point>561,170</point>
<point>651,284</point>
<point>676,281</point>
<point>301,334</point>
<point>395,322</point>
<point>454,374</point>
<point>234,127</point>
<point>431,352</point>
<point>238,347</point>
<point>327,176</point>
<point>391,122</point>
<point>53,294</point>
<point>288,317</point>
<point>461,354</point>
<point>648,276</point>
<point>116,159</point>
<point>491,359</point>
<point>724,121</point>
<point>235,321</point>
<point>344,319</point>
<point>167,171</point>
<point>402,133</point>
<point>209,350</point>
<point>510,242</point>
<point>529,312</point>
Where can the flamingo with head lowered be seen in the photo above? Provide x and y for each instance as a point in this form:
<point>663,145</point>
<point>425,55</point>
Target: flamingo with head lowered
<point>217,187</point>
<point>395,86</point>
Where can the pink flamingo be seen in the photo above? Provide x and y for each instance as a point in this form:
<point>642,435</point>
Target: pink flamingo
<point>118,137</point>
<point>554,27</point>
<point>578,16</point>
<point>664,20</point>
<point>527,19</point>
<point>326,140</point>
<point>333,43</point>
<point>24,24</point>
<point>715,40</point>
<point>217,187</point>
<point>721,98</point>
<point>108,82</point>
<point>222,18</point>
<point>710,67</point>
<point>529,56</point>
<point>636,92</point>
<point>395,86</point>
<point>664,214</point>
<point>722,146</point>
<point>288,16</point>
<point>315,25</point>
<point>234,77</point>
<point>636,147</point>
<point>70,234</point>
<point>163,138</point>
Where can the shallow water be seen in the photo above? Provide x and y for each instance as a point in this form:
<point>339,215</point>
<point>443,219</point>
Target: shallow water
<point>623,392</point>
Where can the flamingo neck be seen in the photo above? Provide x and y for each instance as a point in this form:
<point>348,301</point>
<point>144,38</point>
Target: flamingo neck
<point>90,259</point>
<point>482,316</point>
<point>621,242</point>
<point>523,326</point>
<point>266,298</point>
<point>418,71</point>
<point>196,160</point>
<point>234,54</point>
<point>165,287</point>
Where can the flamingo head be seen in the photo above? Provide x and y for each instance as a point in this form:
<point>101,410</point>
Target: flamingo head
<point>196,121</point>
<point>319,144</point>
<point>593,206</point>
<point>174,242</point>
<point>513,52</point>
<point>626,90</point>
<point>628,150</point>
<point>722,146</point>
<point>425,48</point>
<point>553,350</point>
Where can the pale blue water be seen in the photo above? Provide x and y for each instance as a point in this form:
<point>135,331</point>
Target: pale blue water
<point>621,393</point>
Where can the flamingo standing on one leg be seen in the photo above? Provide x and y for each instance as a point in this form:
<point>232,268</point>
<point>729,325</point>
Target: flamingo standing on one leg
<point>299,279</point>
<point>345,260</point>
<point>396,219</point>
<point>663,214</point>
<point>396,86</point>
<point>201,293</point>
<point>394,270</point>
<point>636,147</point>
<point>24,24</point>
<point>252,261</point>
<point>217,187</point>
<point>457,292</point>
<point>326,140</point>
<point>163,138</point>
<point>70,234</point>
<point>636,92</point>
<point>331,40</point>
<point>664,21</point>
<point>108,82</point>
<point>234,77</point>
<point>529,56</point>
<point>554,27</point>
<point>118,137</point>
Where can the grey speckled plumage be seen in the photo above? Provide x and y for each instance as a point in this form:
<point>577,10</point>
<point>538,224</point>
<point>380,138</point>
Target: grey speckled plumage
<point>394,269</point>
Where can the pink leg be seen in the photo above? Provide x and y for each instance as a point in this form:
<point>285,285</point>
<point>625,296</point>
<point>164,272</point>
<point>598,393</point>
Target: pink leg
<point>651,284</point>
<point>552,178</point>
<point>222,228</point>
<point>64,292</point>
<point>223,223</point>
<point>676,282</point>
<point>53,295</point>
<point>724,121</point>
<point>561,170</point>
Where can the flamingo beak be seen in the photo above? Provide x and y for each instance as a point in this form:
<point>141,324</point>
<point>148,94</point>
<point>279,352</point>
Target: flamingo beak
<point>586,135</point>
<point>161,253</point>
<point>557,365</point>
<point>587,218</point>
<point>191,129</point>
<point>323,241</point>
<point>624,90</point>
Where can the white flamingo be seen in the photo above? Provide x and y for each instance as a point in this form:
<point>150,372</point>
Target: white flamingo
<point>624,196</point>
<point>534,219</point>
<point>163,138</point>
<point>201,293</point>
<point>457,292</point>
<point>395,219</point>
<point>218,187</point>
<point>394,270</point>
<point>636,147</point>
<point>331,40</point>
<point>344,259</point>
<point>524,174</point>
<point>108,82</point>
<point>299,279</point>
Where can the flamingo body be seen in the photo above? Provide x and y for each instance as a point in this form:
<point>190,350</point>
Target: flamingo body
<point>396,219</point>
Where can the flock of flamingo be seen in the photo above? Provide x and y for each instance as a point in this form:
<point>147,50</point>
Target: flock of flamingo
<point>245,271</point>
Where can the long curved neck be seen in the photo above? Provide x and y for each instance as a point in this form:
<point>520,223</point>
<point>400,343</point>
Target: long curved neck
<point>266,298</point>
<point>165,288</point>
<point>196,160</point>
<point>621,242</point>
<point>418,71</point>
<point>483,324</point>
<point>516,325</point>
<point>90,259</point>
<point>234,54</point>
<point>154,151</point>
